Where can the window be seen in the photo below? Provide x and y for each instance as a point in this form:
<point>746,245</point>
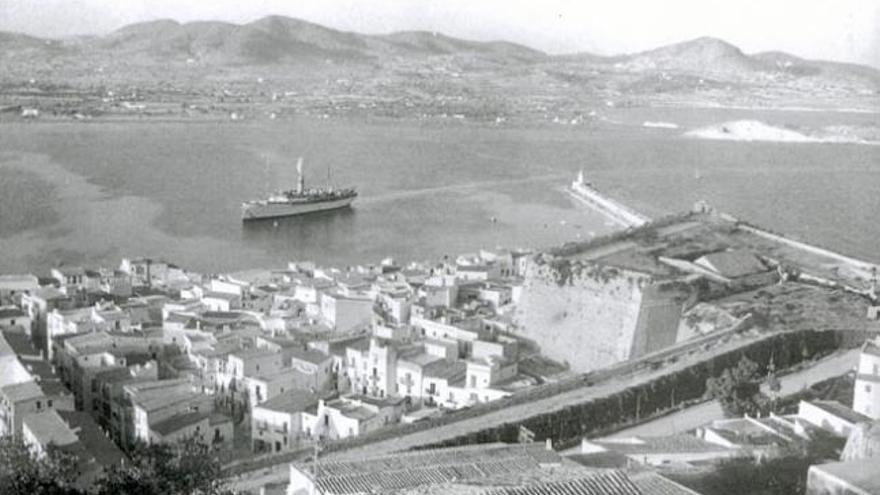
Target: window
<point>49,403</point>
<point>326,420</point>
<point>39,405</point>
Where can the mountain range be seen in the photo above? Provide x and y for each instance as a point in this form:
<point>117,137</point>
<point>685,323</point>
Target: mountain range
<point>166,48</point>
<point>279,39</point>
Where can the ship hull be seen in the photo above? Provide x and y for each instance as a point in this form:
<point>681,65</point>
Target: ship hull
<point>264,210</point>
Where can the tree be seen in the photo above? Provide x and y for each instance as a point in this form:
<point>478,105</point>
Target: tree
<point>23,473</point>
<point>738,389</point>
<point>187,468</point>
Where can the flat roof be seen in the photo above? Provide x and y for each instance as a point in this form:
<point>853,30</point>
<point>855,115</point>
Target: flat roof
<point>291,402</point>
<point>49,427</point>
<point>11,312</point>
<point>311,356</point>
<point>840,410</point>
<point>681,443</point>
<point>421,359</point>
<point>17,278</point>
<point>22,391</point>
<point>445,369</point>
<point>179,421</point>
<point>222,295</point>
<point>94,441</point>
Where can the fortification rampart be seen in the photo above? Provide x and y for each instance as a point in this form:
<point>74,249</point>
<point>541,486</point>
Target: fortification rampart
<point>592,316</point>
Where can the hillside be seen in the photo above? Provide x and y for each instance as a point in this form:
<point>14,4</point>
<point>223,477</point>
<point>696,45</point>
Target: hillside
<point>408,73</point>
<point>702,55</point>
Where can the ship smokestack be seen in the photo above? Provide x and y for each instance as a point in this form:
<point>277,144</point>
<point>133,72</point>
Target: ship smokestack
<point>300,182</point>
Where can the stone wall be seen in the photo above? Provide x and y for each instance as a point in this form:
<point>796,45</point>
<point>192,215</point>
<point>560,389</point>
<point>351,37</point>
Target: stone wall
<point>592,316</point>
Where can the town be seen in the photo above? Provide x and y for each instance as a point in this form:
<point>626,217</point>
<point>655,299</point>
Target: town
<point>628,363</point>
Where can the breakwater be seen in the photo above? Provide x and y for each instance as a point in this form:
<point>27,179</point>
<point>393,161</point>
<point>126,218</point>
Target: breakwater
<point>585,193</point>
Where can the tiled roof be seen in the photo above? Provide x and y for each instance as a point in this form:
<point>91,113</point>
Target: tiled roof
<point>651,483</point>
<point>605,483</point>
<point>387,474</point>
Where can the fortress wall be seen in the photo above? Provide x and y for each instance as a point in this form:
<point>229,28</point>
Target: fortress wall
<point>659,319</point>
<point>584,315</point>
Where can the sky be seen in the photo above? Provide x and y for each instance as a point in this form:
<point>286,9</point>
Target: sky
<point>843,30</point>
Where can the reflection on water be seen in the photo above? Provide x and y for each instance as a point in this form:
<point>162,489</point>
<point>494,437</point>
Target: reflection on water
<point>313,229</point>
<point>174,190</point>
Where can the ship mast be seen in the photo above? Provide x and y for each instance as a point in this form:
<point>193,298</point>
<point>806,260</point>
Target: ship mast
<point>300,181</point>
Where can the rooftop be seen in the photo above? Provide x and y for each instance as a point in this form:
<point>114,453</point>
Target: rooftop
<point>11,312</point>
<point>22,391</point>
<point>14,278</point>
<point>179,421</point>
<point>682,443</point>
<point>871,347</point>
<point>310,356</point>
<point>602,483</point>
<point>226,296</point>
<point>840,410</point>
<point>421,358</point>
<point>49,293</point>
<point>395,472</point>
<point>350,410</point>
<point>94,441</point>
<point>862,473</point>
<point>291,402</point>
<point>734,264</point>
<point>70,270</point>
<point>445,369</point>
<point>254,353</point>
<point>48,427</point>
